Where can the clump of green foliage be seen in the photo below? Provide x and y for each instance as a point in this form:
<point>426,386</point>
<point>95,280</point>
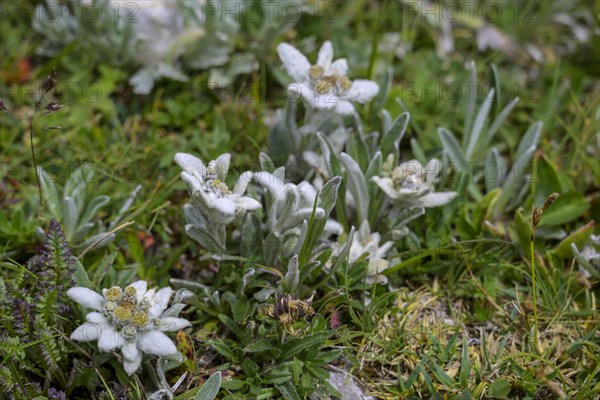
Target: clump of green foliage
<point>36,318</point>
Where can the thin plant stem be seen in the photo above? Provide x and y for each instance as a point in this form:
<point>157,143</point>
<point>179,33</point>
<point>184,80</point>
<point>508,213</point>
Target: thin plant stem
<point>533,286</point>
<point>30,119</point>
<point>91,246</point>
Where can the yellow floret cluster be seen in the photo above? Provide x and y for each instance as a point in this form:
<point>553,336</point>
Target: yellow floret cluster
<point>125,311</point>
<point>327,83</point>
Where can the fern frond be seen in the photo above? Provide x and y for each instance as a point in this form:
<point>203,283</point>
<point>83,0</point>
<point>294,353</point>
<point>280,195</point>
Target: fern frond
<point>47,307</point>
<point>48,347</point>
<point>7,382</point>
<point>57,257</point>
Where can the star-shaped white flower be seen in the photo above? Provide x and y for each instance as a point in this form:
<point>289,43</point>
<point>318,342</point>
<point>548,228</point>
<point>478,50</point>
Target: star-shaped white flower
<point>211,194</point>
<point>412,185</point>
<point>292,204</point>
<point>325,86</point>
<point>158,27</point>
<point>367,242</point>
<point>132,319</point>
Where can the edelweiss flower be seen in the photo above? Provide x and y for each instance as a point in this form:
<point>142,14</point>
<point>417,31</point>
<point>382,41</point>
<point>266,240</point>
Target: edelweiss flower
<point>412,185</point>
<point>132,319</point>
<point>211,194</point>
<point>325,85</point>
<point>367,242</point>
<point>292,204</point>
<point>156,27</point>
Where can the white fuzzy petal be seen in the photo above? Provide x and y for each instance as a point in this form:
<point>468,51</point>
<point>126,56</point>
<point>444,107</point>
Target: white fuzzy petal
<point>159,302</point>
<point>163,296</point>
<point>380,279</point>
<point>387,186</point>
<point>322,101</point>
<point>130,351</point>
<point>190,163</point>
<point>248,203</point>
<point>224,206</point>
<point>150,294</point>
<point>436,199</point>
<point>294,62</point>
<point>295,90</point>
<point>140,289</point>
<point>207,199</point>
<point>374,270</point>
<point>222,165</point>
<point>194,184</point>
<point>382,251</point>
<point>432,170</point>
<point>155,311</point>
<point>325,55</point>
<point>408,193</point>
<point>377,266</point>
<point>371,247</point>
<point>308,193</point>
<point>242,183</point>
<point>131,366</point>
<point>333,227</point>
<point>338,67</point>
<point>325,101</point>
<point>171,324</point>
<point>313,159</point>
<point>157,343</point>
<point>97,318</point>
<point>362,91</point>
<point>295,219</point>
<point>110,339</point>
<point>271,183</point>
<point>86,297</point>
<point>356,250</point>
<point>88,331</point>
<point>132,358</point>
<point>344,108</point>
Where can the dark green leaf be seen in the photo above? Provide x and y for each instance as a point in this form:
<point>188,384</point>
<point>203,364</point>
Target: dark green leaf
<point>288,391</point>
<point>296,345</point>
<point>259,346</point>
<point>566,208</point>
<point>578,238</point>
